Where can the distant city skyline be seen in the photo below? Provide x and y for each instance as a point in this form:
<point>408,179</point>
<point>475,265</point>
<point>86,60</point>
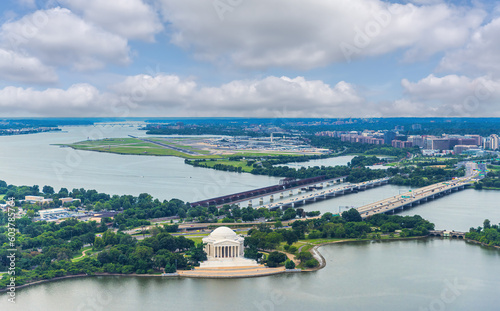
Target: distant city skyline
<point>273,59</point>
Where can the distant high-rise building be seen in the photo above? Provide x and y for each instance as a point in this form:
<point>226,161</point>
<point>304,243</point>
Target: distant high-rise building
<point>401,144</point>
<point>440,144</point>
<point>477,139</point>
<point>487,143</point>
<point>417,140</point>
<point>494,141</point>
<point>416,127</point>
<point>389,136</point>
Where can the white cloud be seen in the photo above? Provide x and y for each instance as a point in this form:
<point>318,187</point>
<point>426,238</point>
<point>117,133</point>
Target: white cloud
<point>60,38</point>
<point>78,100</point>
<point>132,19</point>
<point>270,97</point>
<point>279,97</point>
<point>20,68</point>
<point>149,95</point>
<point>307,34</point>
<point>169,95</point>
<point>481,53</point>
<point>453,95</point>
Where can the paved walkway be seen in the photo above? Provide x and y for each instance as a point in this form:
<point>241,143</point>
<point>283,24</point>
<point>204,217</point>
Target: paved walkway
<point>231,272</point>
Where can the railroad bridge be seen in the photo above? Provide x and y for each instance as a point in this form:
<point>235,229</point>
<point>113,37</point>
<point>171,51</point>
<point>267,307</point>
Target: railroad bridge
<point>285,184</point>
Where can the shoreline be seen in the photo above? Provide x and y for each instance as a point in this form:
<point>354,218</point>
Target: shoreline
<point>314,251</point>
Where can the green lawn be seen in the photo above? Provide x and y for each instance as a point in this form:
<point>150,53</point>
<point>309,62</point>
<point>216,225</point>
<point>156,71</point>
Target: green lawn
<point>88,252</point>
<point>494,167</point>
<point>2,196</point>
<point>135,146</point>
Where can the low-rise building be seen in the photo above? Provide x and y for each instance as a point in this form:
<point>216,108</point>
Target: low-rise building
<point>459,149</point>
<point>37,199</point>
<point>52,213</point>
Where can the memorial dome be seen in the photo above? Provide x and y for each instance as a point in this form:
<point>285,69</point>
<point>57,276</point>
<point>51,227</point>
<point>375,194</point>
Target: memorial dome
<point>223,233</point>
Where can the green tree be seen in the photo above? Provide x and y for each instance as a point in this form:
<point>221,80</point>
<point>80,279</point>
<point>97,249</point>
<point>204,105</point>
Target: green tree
<point>99,243</point>
<point>351,215</point>
<point>48,190</point>
<point>274,259</point>
<point>197,253</point>
<point>289,264</point>
<point>304,256</point>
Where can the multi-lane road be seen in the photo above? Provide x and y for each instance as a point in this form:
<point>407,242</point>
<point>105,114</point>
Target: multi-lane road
<point>325,194</point>
<point>420,195</point>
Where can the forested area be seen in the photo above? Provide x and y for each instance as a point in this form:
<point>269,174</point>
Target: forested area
<point>421,177</point>
<point>348,226</point>
<point>45,250</point>
<point>491,181</point>
<point>488,234</point>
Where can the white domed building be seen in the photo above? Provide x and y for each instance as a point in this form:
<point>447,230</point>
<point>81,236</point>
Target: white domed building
<point>225,248</point>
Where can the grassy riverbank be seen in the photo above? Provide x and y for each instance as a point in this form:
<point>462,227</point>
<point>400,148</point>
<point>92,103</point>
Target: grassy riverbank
<point>134,146</point>
<point>194,148</point>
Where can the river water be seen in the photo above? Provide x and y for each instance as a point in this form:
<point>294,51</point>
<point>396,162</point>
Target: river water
<point>429,274</point>
<point>434,274</point>
<point>35,160</point>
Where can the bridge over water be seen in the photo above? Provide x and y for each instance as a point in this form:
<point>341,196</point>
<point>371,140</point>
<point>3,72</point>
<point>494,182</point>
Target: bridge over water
<point>445,233</point>
<point>285,185</point>
<point>320,195</point>
<point>412,198</point>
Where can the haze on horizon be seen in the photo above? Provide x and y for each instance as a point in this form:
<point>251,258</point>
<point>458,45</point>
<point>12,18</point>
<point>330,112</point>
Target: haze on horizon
<point>241,58</point>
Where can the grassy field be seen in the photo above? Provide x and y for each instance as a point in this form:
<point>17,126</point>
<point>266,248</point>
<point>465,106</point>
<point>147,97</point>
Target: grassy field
<point>135,146</point>
<point>88,252</point>
<point>492,167</point>
<point>2,196</point>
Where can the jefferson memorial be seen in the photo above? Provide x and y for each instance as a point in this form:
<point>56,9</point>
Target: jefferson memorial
<point>225,249</point>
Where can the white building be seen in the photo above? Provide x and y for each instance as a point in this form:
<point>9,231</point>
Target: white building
<point>55,212</point>
<point>36,199</point>
<point>494,141</point>
<point>225,248</point>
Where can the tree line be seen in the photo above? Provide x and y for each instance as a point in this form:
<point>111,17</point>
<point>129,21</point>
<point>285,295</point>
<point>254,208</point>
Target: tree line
<point>349,225</point>
<point>45,250</point>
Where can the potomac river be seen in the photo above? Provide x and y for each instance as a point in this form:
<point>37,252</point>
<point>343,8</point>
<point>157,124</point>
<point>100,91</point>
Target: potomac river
<point>426,274</point>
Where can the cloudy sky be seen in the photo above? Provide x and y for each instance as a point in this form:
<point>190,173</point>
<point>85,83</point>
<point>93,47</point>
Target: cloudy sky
<point>249,58</point>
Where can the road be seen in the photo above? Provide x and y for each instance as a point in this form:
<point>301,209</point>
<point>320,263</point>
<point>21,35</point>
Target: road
<point>419,195</point>
<point>328,193</point>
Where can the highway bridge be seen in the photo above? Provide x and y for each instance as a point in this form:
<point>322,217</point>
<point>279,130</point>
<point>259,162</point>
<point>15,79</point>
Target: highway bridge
<point>319,195</point>
<point>412,198</point>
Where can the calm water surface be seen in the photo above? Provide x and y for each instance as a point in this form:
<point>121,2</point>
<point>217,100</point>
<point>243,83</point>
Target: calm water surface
<point>412,275</point>
<point>34,160</point>
<point>430,274</point>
